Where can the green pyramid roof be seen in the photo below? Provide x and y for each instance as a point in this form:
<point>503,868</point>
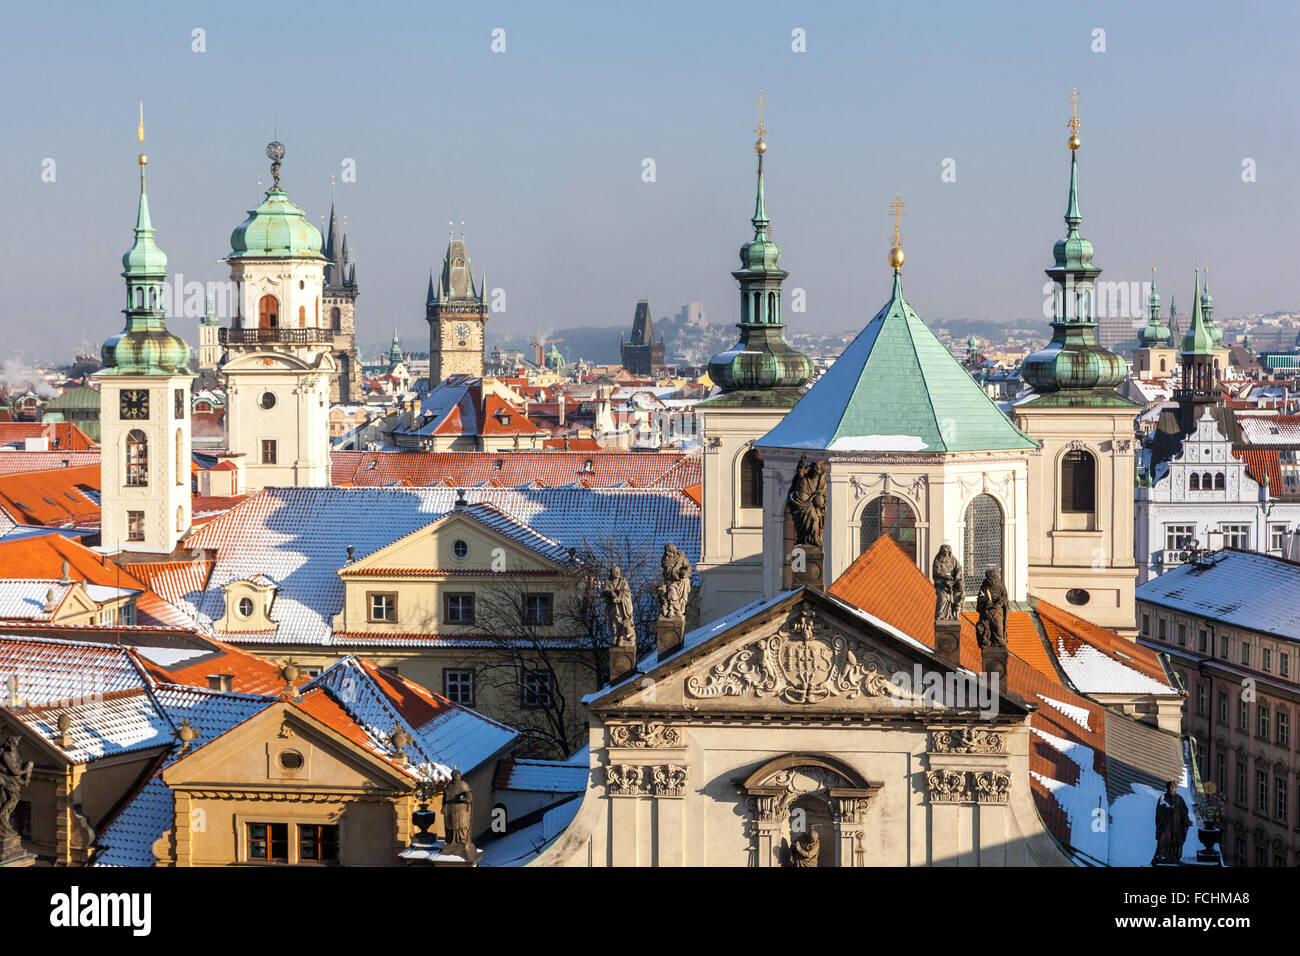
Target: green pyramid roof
<point>896,388</point>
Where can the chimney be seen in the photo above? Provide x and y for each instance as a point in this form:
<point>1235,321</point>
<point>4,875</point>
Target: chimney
<point>222,682</point>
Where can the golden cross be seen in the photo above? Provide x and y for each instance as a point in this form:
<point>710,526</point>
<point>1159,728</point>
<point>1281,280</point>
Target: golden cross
<point>897,209</point>
<point>140,131</point>
<point>761,129</point>
<point>1074,112</point>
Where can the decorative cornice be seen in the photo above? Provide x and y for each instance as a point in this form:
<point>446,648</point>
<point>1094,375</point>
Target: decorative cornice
<point>632,780</point>
<point>651,734</point>
<point>970,786</point>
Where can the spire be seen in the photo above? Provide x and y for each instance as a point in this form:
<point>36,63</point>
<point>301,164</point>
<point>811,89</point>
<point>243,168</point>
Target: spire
<point>1199,340</point>
<point>431,298</point>
<point>332,237</point>
<point>1153,334</point>
<point>760,220</point>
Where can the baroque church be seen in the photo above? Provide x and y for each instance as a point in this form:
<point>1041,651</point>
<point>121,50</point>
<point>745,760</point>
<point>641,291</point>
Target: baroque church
<point>841,708</point>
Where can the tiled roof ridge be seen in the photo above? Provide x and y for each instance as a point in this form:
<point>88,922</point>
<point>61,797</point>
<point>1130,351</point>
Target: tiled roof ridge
<point>421,691</point>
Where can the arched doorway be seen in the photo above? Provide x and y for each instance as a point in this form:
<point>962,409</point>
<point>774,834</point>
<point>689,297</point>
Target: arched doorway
<point>889,515</point>
<point>268,312</point>
<point>983,545</point>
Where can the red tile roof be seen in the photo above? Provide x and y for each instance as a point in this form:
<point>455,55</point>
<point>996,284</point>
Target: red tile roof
<point>67,435</point>
<point>12,462</point>
<point>55,498</point>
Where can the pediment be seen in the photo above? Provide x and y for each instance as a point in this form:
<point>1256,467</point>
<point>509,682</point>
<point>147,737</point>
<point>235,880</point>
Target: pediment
<point>808,655</point>
<point>430,547</point>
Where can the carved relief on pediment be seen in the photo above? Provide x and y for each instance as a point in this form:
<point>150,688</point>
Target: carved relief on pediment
<point>967,740</point>
<point>652,734</point>
<point>805,662</point>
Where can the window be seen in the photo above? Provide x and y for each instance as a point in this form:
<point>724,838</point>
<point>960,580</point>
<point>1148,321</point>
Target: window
<point>1261,856</point>
<point>1223,647</point>
<point>106,617</point>
<point>983,540</point>
<point>751,480</point>
<point>135,526</point>
<point>536,689</point>
<point>1202,641</point>
<point>1245,653</point>
<point>459,549</point>
<point>1261,720</point>
<point>382,606</point>
<point>126,615</point>
<point>458,686</point>
<point>267,401</point>
<point>1241,781</point>
<point>1221,773</point>
<point>459,609</point>
<point>1289,465</point>
<point>268,451</point>
<point>268,312</point>
<point>1207,483</point>
<point>1235,535</point>
<point>1177,535</point>
<point>1261,791</point>
<point>137,459</point>
<point>268,842</point>
<point>245,607</point>
<point>1243,715</point>
<point>1162,624</point>
<point>1182,634</point>
<point>302,316</point>
<point>1194,482</point>
<point>1201,695</point>
<point>1241,852</point>
<point>1223,706</point>
<point>318,843</point>
<point>1078,482</point>
<point>1266,658</point>
<point>336,319</point>
<point>1218,481</point>
<point>1146,624</point>
<point>1284,664</point>
<point>891,516</point>
<point>180,403</point>
<point>537,609</point>
<point>1284,727</point>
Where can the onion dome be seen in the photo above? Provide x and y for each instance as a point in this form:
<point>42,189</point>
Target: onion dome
<point>1199,339</point>
<point>1155,334</point>
<point>277,229</point>
<point>761,360</point>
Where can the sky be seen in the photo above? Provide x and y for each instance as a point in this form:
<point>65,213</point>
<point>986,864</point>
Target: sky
<point>541,149</point>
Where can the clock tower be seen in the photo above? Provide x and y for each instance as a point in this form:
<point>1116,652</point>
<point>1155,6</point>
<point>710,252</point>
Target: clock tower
<point>280,349</point>
<point>457,316</point>
<point>144,408</point>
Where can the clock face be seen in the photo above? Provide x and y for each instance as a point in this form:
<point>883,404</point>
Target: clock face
<point>133,404</point>
<point>462,331</point>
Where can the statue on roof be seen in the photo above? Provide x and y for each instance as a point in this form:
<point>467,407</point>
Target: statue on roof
<point>458,818</point>
<point>992,605</point>
<point>1172,824</point>
<point>14,775</point>
<point>676,589</point>
<point>949,585</point>
<point>807,502</point>
<point>618,607</point>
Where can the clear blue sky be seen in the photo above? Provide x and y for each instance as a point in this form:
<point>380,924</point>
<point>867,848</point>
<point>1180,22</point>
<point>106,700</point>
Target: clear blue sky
<point>539,149</point>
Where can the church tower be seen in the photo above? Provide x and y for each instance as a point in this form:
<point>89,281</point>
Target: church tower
<point>279,349</point>
<point>457,315</point>
<point>759,380</point>
<point>339,298</point>
<point>144,408</point>
<point>1081,513</point>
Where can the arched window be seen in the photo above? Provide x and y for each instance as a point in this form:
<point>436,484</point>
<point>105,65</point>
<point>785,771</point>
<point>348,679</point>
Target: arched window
<point>1162,365</point>
<point>1206,482</point>
<point>1219,484</point>
<point>180,518</point>
<point>983,545</point>
<point>1078,482</point>
<point>181,458</point>
<point>1194,482</point>
<point>892,516</point>
<point>751,480</point>
<point>137,459</point>
<point>336,318</point>
<point>771,307</point>
<point>268,312</point>
<point>302,316</point>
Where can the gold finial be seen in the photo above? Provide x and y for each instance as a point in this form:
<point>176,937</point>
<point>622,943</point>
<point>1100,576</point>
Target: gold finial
<point>450,227</point>
<point>1073,141</point>
<point>462,228</point>
<point>897,209</point>
<point>143,160</point>
<point>760,130</point>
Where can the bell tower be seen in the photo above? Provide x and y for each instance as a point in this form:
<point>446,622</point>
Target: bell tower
<point>280,346</point>
<point>457,314</point>
<point>144,408</point>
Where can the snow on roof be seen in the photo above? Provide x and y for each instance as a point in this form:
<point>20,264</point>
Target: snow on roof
<point>171,656</point>
<point>101,726</point>
<point>521,847</point>
<point>50,670</point>
<point>24,599</point>
<point>1244,589</point>
<point>1081,798</point>
<point>547,776</point>
<point>300,536</point>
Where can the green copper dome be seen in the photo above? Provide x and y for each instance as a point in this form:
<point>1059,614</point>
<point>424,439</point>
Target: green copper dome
<point>277,229</point>
<point>145,346</point>
<point>761,361</point>
<point>1155,334</point>
<point>1074,363</point>
<point>1199,339</point>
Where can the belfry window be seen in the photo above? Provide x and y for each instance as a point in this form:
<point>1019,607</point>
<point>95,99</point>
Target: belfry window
<point>1078,482</point>
<point>983,540</point>
<point>1194,482</point>
<point>268,312</point>
<point>751,480</point>
<point>137,459</point>
<point>1219,484</point>
<point>890,516</point>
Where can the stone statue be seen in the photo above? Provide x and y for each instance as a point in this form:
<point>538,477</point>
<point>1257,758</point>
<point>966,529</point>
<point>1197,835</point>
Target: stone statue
<point>992,605</point>
<point>1172,824</point>
<point>807,502</point>
<point>14,775</point>
<point>949,585</point>
<point>805,851</point>
<point>618,607</point>
<point>458,813</point>
<point>676,588</point>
